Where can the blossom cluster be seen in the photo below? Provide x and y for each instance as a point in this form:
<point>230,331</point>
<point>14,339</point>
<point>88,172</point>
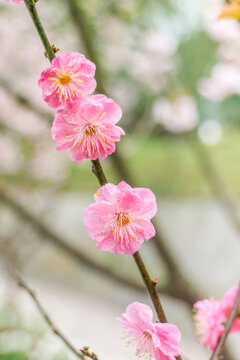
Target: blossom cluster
<point>210,317</point>
<point>84,124</point>
<point>120,219</point>
<point>158,340</point>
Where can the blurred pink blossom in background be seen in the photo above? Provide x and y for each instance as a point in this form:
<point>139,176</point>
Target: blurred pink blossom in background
<point>16,1</point>
<point>152,62</point>
<point>223,82</point>
<point>208,321</point>
<point>177,116</point>
<point>227,303</point>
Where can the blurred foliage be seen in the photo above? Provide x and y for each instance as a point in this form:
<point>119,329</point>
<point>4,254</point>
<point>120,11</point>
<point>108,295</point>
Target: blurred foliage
<point>194,63</point>
<point>13,356</point>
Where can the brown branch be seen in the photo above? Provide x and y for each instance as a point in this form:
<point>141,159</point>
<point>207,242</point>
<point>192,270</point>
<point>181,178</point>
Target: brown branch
<point>228,326</point>
<point>46,317</point>
<point>49,51</point>
<point>85,351</point>
<point>151,287</point>
<point>98,172</point>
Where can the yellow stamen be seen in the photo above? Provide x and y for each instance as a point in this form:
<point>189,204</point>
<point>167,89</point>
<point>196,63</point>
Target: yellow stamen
<point>121,219</point>
<point>64,79</point>
<point>90,130</point>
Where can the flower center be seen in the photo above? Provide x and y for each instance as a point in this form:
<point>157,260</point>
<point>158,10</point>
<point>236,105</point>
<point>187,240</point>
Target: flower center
<point>121,219</point>
<point>90,130</point>
<point>64,79</point>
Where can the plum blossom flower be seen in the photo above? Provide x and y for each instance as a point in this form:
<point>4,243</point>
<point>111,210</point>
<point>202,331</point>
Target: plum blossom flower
<point>208,321</point>
<point>227,303</point>
<point>157,340</point>
<point>69,76</point>
<point>87,127</point>
<point>119,220</point>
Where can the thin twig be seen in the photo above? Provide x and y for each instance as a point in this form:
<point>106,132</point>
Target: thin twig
<point>151,287</point>
<point>46,317</point>
<point>30,5</point>
<point>228,326</point>
<point>98,172</point>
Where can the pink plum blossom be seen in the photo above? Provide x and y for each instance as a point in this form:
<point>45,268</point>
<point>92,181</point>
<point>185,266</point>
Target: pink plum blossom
<point>69,76</point>
<point>227,303</point>
<point>16,1</point>
<point>119,220</point>
<point>87,127</point>
<point>157,340</point>
<point>208,321</point>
